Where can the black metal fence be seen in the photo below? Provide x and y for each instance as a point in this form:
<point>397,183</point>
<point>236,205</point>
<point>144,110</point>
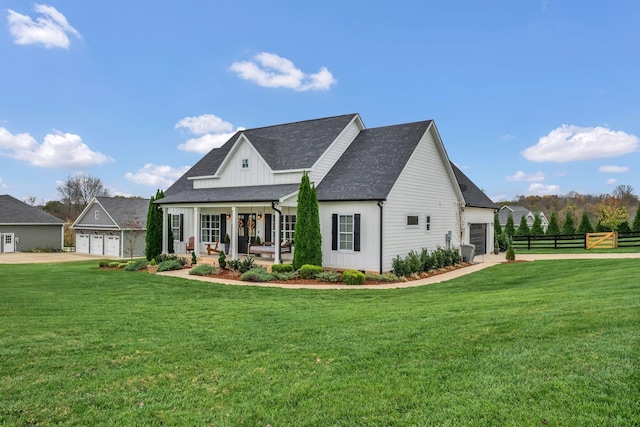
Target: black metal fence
<point>578,241</point>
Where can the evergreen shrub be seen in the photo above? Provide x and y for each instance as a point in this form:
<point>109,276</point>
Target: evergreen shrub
<point>202,270</point>
<point>511,254</point>
<point>353,277</point>
<point>171,264</point>
<point>281,268</point>
<point>257,274</point>
<point>309,271</point>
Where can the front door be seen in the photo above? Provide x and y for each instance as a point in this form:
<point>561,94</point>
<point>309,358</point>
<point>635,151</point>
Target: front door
<point>246,231</point>
<point>9,242</point>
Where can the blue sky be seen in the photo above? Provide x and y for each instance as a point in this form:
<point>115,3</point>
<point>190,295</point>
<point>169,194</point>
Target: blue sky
<point>529,97</point>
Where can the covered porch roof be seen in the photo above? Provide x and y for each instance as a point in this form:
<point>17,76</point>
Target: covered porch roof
<point>255,193</point>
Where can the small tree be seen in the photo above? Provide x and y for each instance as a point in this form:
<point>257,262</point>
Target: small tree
<point>132,232</point>
<point>585,224</point>
<point>553,228</point>
<point>497,228</point>
<point>636,221</point>
<point>612,214</point>
<point>569,226</point>
<point>308,240</point>
<point>509,227</point>
<point>536,228</point>
<point>523,228</point>
<point>154,228</point>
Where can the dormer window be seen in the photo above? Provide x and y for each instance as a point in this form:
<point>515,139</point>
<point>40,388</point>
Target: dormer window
<point>245,163</point>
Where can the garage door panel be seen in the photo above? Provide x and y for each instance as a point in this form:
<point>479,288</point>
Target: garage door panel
<point>478,237</point>
<point>112,246</point>
<point>82,243</point>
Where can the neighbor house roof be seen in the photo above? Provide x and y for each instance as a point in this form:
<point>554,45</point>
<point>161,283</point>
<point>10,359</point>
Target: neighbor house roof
<point>369,168</point>
<point>474,197</point>
<point>124,210</point>
<point>284,147</point>
<point>13,211</point>
<point>517,212</point>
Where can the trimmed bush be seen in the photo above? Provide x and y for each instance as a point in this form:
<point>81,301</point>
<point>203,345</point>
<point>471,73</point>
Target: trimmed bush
<point>104,263</point>
<point>222,260</point>
<point>172,264</point>
<point>287,275</point>
<point>202,270</point>
<point>328,276</point>
<point>309,271</point>
<point>137,265</point>
<point>511,254</point>
<point>257,274</point>
<point>399,267</point>
<point>353,277</point>
<point>387,277</point>
<point>114,264</point>
<point>281,268</point>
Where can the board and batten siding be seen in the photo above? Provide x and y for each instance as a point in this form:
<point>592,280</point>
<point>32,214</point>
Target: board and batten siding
<point>334,152</point>
<point>424,188</point>
<point>368,258</point>
<point>89,218</point>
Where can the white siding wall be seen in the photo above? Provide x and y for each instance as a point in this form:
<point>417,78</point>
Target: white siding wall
<point>480,216</point>
<point>368,258</point>
<point>333,153</point>
<point>423,188</point>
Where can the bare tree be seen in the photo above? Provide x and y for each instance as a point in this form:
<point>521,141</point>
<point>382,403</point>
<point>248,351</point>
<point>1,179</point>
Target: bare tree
<point>133,233</point>
<point>77,192</point>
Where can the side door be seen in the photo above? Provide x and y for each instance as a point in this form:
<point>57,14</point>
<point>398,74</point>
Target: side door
<point>9,242</point>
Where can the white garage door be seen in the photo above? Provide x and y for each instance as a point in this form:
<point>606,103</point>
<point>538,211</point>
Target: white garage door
<point>112,246</point>
<point>97,244</point>
<point>82,243</point>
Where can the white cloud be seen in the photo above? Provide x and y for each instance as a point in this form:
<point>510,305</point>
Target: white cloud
<point>499,198</point>
<point>508,137</point>
<point>613,169</point>
<point>271,70</point>
<point>213,131</point>
<point>156,175</point>
<point>527,177</point>
<point>204,124</point>
<point>58,150</point>
<point>3,185</point>
<point>50,28</point>
<point>611,181</point>
<point>537,189</point>
<point>571,143</point>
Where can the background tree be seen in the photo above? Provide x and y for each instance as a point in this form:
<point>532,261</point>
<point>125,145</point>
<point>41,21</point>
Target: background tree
<point>553,229</point>
<point>509,227</point>
<point>497,228</point>
<point>569,226</point>
<point>585,224</point>
<point>308,244</point>
<point>536,227</point>
<point>523,228</point>
<point>133,230</point>
<point>636,221</point>
<point>154,228</point>
<point>77,192</point>
<point>612,214</point>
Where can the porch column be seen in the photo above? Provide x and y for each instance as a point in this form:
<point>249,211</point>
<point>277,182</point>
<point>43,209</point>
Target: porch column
<point>234,233</point>
<point>276,256</point>
<point>196,231</point>
<point>165,235</point>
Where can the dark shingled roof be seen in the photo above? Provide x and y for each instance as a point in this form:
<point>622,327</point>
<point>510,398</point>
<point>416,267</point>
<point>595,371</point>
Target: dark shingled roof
<point>124,210</point>
<point>13,211</point>
<point>473,196</point>
<point>256,193</point>
<point>369,168</point>
<point>284,147</point>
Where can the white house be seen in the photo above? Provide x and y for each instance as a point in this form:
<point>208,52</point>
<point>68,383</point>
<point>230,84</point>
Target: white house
<point>517,212</point>
<point>382,192</point>
<point>112,226</point>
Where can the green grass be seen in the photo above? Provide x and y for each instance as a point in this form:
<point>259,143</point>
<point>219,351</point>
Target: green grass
<point>555,342</point>
<point>542,250</point>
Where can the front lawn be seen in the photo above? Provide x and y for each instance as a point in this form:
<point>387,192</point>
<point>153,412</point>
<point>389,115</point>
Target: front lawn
<point>537,343</point>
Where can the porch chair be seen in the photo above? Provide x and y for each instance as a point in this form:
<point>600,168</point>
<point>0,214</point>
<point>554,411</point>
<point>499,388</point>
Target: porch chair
<point>191,245</point>
<point>214,249</point>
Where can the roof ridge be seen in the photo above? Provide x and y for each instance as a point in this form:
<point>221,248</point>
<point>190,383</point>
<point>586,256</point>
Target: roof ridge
<point>298,122</point>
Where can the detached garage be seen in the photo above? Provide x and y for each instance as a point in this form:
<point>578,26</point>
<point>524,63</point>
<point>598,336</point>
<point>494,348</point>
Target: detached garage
<point>25,228</point>
<point>112,226</point>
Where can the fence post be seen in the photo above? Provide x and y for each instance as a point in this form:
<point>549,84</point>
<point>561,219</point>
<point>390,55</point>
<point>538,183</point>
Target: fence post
<point>529,242</point>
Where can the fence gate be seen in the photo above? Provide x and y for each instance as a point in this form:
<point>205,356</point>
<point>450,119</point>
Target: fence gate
<point>478,237</point>
<point>608,240</point>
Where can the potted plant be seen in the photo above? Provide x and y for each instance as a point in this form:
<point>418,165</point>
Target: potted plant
<point>496,247</point>
<point>227,242</point>
<point>152,267</point>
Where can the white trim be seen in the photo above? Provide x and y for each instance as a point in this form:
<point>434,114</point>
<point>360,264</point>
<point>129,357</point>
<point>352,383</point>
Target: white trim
<point>411,215</point>
<point>352,232</point>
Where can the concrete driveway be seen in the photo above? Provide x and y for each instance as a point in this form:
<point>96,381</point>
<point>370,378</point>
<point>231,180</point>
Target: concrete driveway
<point>31,257</point>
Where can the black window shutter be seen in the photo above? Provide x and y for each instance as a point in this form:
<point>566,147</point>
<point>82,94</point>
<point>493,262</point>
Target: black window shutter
<point>223,227</point>
<point>181,227</point>
<point>334,232</point>
<point>356,232</point>
<point>267,228</point>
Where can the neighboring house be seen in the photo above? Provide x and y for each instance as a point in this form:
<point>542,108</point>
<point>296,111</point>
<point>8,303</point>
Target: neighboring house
<point>517,212</point>
<point>112,226</point>
<point>382,192</point>
<point>25,228</point>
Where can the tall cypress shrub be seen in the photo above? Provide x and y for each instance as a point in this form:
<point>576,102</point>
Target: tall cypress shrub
<point>569,226</point>
<point>523,228</point>
<point>536,228</point>
<point>553,229</point>
<point>497,228</point>
<point>154,228</point>
<point>509,227</point>
<point>585,225</point>
<point>636,221</point>
<point>308,241</point>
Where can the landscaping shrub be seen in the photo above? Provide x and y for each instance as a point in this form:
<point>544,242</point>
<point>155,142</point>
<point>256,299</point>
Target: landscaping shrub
<point>202,270</point>
<point>241,265</point>
<point>122,264</point>
<point>456,256</point>
<point>234,264</point>
<point>309,271</point>
<point>104,263</point>
<point>387,277</point>
<point>399,267</point>
<point>353,277</point>
<point>281,268</point>
<point>328,276</point>
<point>222,260</point>
<point>425,260</point>
<point>172,264</point>
<point>257,274</point>
<point>137,265</point>
<point>286,275</point>
<point>511,254</point>
<point>413,262</point>
<point>114,264</point>
<point>163,258</point>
